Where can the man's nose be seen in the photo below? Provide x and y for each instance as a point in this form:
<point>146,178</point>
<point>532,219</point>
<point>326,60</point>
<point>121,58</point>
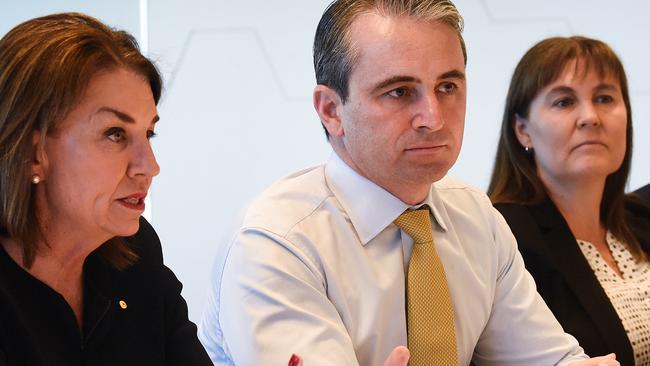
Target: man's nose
<point>428,114</point>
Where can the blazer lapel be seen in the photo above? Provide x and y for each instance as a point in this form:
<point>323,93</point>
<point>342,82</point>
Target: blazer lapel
<point>573,266</point>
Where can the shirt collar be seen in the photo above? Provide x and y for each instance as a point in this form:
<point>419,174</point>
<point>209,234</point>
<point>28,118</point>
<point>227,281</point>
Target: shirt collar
<point>370,207</point>
<point>437,208</point>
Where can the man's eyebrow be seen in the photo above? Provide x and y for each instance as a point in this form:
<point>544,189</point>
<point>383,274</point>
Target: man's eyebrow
<point>394,80</point>
<point>122,116</point>
<point>453,74</point>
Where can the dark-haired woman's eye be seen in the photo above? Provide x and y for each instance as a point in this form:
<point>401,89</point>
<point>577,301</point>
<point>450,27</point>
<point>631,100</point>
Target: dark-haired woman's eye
<point>604,99</point>
<point>563,102</point>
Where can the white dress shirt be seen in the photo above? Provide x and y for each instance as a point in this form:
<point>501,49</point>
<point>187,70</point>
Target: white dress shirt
<point>318,269</point>
<point>629,295</point>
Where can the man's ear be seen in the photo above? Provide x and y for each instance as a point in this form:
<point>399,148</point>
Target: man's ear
<point>327,103</point>
<point>520,125</point>
<point>39,157</point>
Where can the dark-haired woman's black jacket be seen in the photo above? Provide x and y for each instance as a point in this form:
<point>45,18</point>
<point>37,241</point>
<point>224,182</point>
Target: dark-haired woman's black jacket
<point>566,281</point>
<point>149,327</point>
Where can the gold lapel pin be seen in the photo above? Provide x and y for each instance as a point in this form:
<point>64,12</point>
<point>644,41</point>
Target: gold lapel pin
<point>123,304</point>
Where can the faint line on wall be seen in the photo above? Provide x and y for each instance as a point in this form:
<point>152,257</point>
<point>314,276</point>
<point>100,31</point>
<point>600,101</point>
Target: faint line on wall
<point>144,48</point>
<point>529,19</point>
<point>244,30</point>
<point>144,27</point>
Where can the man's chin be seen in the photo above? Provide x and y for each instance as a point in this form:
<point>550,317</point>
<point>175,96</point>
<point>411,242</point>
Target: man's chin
<point>429,173</point>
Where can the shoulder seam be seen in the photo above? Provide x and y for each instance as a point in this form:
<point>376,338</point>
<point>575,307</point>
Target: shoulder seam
<point>290,229</point>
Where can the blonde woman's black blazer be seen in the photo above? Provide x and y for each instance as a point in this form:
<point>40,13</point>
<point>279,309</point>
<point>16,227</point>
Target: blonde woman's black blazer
<point>566,281</point>
<point>134,317</point>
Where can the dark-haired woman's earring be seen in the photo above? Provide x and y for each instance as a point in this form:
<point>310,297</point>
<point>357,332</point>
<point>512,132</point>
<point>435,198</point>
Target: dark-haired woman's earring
<point>36,179</point>
<point>528,149</point>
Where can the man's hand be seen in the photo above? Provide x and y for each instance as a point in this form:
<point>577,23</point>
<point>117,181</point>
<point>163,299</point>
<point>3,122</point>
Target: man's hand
<point>399,357</point>
<point>609,360</point>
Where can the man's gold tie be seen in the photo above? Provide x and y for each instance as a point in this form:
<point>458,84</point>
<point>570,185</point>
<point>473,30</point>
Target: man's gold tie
<point>430,312</point>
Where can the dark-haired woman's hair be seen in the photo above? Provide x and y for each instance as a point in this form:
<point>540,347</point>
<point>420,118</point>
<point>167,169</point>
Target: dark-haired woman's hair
<point>514,178</point>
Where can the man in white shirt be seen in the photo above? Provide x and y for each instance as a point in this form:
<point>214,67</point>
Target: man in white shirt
<point>318,267</point>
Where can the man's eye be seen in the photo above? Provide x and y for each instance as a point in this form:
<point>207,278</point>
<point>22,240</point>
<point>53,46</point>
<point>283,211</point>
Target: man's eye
<point>447,88</point>
<point>116,134</point>
<point>398,93</point>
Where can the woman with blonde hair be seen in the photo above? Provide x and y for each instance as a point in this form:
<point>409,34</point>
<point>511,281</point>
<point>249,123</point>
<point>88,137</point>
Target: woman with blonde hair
<point>82,281</point>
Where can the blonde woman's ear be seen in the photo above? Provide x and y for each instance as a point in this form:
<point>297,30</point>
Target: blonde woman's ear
<point>39,158</point>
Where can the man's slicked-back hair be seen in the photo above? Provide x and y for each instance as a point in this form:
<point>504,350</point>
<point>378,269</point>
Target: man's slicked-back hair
<point>334,54</point>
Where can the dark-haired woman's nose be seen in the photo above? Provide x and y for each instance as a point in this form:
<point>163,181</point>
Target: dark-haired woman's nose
<point>588,116</point>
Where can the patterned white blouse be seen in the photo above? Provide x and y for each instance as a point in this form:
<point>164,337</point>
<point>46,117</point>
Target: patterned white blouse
<point>630,295</point>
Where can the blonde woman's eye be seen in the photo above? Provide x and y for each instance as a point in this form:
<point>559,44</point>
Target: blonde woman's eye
<point>116,134</point>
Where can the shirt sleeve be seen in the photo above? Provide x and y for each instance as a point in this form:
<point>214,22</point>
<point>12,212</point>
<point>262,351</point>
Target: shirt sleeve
<point>272,302</point>
<point>521,329</point>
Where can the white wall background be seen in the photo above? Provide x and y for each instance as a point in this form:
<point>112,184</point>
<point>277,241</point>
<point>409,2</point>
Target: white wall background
<point>237,111</point>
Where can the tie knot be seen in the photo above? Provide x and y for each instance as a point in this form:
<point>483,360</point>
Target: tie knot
<point>416,224</point>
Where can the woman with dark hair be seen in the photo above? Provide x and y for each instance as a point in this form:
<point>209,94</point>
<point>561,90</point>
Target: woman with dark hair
<point>559,177</point>
<point>82,281</point>
<point>644,193</point>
